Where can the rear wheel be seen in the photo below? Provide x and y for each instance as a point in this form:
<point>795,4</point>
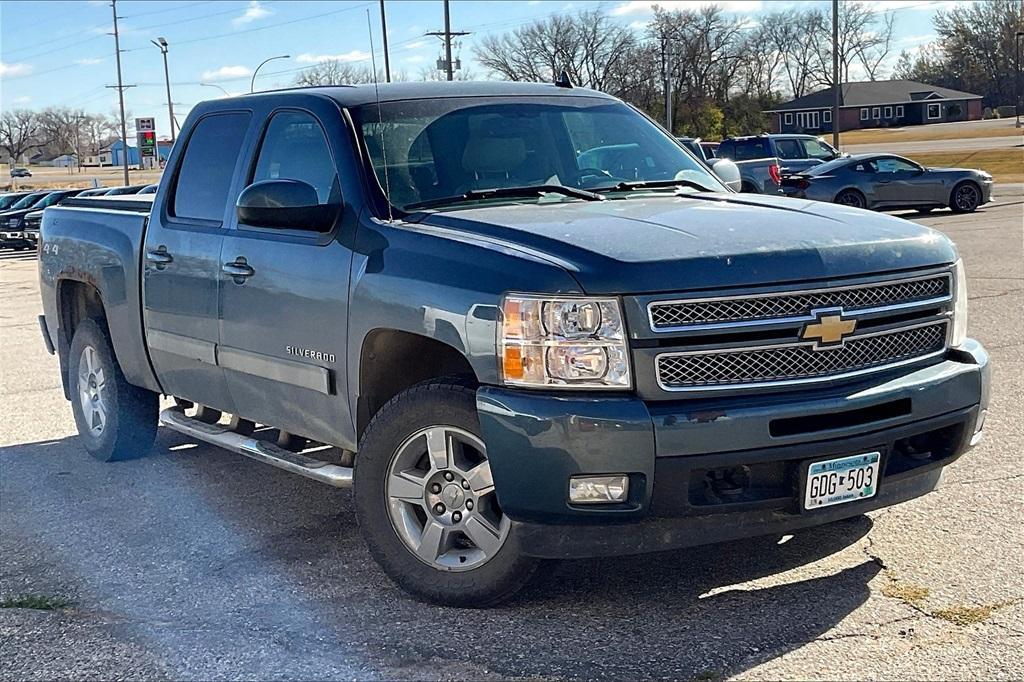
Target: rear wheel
<point>852,198</point>
<point>115,419</point>
<point>426,501</point>
<point>965,198</point>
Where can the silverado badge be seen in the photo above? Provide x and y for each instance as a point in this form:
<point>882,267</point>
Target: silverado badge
<point>828,329</point>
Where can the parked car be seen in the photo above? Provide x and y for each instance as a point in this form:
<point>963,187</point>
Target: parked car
<point>13,232</point>
<point>710,149</point>
<point>20,173</point>
<point>8,199</point>
<point>130,189</point>
<point>26,201</point>
<point>94,192</point>
<point>150,189</point>
<point>517,355</point>
<point>764,159</point>
<point>887,181</point>
<point>726,170</point>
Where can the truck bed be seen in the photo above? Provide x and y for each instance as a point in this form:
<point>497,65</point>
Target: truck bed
<point>97,242</point>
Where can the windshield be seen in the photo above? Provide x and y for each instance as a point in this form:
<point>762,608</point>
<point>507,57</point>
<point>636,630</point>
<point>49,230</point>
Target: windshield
<point>827,167</point>
<point>441,148</point>
<point>7,201</point>
<point>28,201</point>
<point>50,199</point>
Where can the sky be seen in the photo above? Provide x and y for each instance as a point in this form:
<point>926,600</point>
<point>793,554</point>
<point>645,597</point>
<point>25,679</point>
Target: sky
<point>59,53</point>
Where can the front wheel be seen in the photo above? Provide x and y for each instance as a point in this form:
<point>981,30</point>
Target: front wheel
<point>965,198</point>
<point>426,502</point>
<point>115,419</point>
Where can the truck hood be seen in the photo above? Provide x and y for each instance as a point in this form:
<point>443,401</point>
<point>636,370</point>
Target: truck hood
<point>674,243</point>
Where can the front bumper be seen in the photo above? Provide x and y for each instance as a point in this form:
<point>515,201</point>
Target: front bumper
<point>671,451</point>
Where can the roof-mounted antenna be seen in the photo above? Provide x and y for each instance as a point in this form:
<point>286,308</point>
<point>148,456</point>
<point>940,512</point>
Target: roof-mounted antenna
<point>563,80</point>
<point>380,121</point>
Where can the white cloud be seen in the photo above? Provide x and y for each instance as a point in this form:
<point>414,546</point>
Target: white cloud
<point>353,56</point>
<point>917,40</point>
<point>88,61</point>
<point>417,44</point>
<point>415,59</point>
<point>8,70</point>
<point>226,73</point>
<point>887,5</point>
<point>254,11</point>
<point>24,99</point>
<point>646,6</point>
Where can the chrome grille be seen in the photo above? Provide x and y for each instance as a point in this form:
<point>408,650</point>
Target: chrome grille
<point>798,362</point>
<point>667,315</point>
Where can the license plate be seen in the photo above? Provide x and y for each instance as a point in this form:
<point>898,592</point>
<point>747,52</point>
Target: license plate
<point>846,479</point>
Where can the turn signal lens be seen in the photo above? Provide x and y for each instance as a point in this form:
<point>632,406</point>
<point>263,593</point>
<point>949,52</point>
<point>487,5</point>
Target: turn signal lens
<point>563,342</point>
<point>959,305</point>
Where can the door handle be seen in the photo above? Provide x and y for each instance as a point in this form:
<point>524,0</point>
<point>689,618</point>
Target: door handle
<point>239,269</point>
<point>159,258</point>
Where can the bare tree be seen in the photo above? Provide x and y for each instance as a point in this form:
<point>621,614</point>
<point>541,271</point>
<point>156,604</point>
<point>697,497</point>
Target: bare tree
<point>588,46</point>
<point>794,34</point>
<point>21,131</point>
<point>334,72</point>
<point>865,38</point>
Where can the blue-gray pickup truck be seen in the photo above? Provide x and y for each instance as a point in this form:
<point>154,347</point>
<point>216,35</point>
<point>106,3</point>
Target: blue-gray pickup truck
<point>521,320</point>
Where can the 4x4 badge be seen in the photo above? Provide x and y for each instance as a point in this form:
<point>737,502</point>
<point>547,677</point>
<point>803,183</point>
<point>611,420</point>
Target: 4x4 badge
<point>828,329</point>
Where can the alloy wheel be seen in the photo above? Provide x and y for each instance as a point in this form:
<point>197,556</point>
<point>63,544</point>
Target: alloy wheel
<point>441,500</point>
<point>92,390</point>
<point>966,198</point>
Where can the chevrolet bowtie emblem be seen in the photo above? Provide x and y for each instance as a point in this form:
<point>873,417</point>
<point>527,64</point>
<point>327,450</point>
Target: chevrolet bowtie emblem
<point>828,330</point>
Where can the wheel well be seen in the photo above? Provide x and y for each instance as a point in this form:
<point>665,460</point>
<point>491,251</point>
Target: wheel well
<point>848,189</point>
<point>748,187</point>
<point>392,361</point>
<point>965,181</point>
<point>76,301</point>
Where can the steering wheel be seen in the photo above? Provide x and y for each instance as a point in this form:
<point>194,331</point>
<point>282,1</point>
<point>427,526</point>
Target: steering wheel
<point>580,178</point>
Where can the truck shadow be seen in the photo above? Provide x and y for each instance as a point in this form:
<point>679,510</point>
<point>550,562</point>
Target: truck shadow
<point>254,544</point>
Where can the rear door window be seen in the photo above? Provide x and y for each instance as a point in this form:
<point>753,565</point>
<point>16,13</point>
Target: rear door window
<point>208,167</point>
<point>788,149</point>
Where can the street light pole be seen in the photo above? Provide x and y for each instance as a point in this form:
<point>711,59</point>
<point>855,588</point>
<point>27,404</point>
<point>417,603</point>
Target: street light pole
<point>120,94</point>
<point>212,85</point>
<point>161,44</point>
<point>252,83</point>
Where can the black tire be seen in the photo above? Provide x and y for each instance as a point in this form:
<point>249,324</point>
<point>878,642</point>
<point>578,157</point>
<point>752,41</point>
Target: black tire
<point>851,198</point>
<point>129,422</point>
<point>445,403</point>
<point>925,211</point>
<point>965,197</point>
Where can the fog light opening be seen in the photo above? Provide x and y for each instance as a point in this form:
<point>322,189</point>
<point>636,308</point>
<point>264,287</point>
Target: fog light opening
<point>598,489</point>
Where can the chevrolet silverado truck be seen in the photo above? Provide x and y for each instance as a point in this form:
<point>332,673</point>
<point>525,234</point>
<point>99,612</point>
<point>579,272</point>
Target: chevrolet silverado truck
<point>512,356</point>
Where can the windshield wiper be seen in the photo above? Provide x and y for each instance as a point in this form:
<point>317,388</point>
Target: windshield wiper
<point>510,192</point>
<point>627,186</point>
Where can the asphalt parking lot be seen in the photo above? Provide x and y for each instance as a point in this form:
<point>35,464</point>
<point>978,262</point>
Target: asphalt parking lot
<point>197,563</point>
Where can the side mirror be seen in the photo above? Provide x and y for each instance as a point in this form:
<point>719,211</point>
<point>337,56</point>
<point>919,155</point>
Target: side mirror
<point>285,205</point>
<point>726,171</point>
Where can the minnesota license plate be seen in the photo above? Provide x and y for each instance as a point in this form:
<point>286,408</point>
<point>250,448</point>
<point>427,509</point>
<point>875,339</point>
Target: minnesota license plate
<point>847,479</point>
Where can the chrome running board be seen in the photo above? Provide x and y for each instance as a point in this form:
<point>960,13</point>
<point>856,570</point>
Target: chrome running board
<point>268,453</point>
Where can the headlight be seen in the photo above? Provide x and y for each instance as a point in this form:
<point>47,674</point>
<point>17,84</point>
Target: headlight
<point>563,342</point>
<point>959,305</point>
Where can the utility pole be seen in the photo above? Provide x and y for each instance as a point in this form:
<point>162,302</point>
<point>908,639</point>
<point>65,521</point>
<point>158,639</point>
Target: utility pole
<point>120,93</point>
<point>384,30</point>
<point>1016,37</point>
<point>447,36</point>
<point>161,43</point>
<point>836,85</point>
